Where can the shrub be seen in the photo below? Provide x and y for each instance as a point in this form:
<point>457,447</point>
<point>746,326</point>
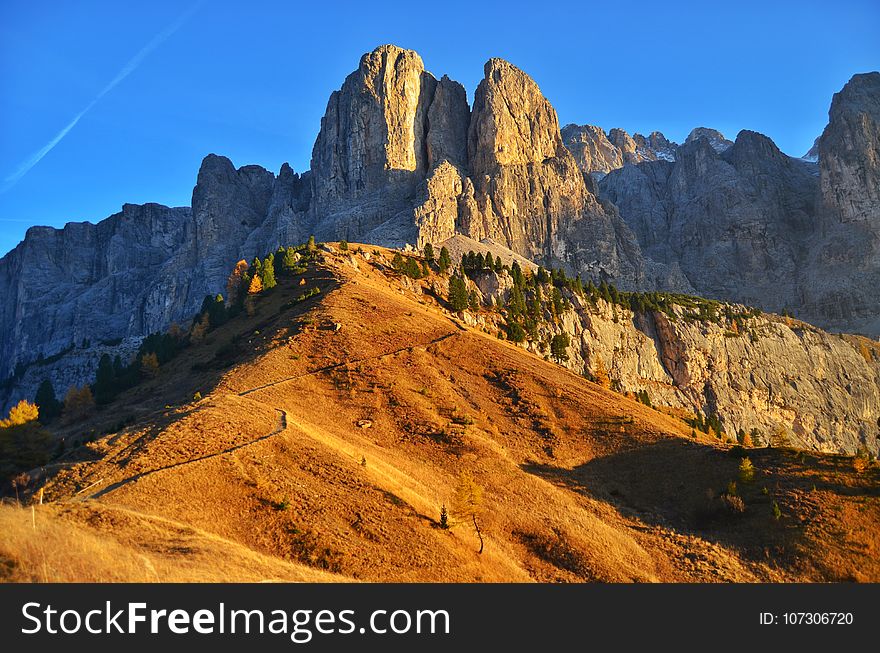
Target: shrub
<point>733,504</point>
<point>343,245</point>
<point>861,461</point>
<point>777,513</point>
<point>746,471</point>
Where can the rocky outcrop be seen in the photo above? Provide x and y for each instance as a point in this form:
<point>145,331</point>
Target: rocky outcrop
<point>849,152</point>
<point>527,192</point>
<point>783,378</point>
<point>819,391</point>
<point>715,138</point>
<point>599,153</point>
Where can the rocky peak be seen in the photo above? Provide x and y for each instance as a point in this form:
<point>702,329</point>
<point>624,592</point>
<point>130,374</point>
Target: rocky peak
<point>372,134</point>
<point>849,151</point>
<point>715,138</point>
<point>591,148</point>
<point>598,154</point>
<point>655,146</point>
<point>512,122</point>
<point>812,154</point>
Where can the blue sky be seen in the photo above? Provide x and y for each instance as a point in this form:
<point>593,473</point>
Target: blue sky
<point>162,84</point>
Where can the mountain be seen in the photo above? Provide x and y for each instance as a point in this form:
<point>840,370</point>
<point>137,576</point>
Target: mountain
<point>401,159</point>
<point>598,153</point>
<point>745,222</point>
<point>328,433</point>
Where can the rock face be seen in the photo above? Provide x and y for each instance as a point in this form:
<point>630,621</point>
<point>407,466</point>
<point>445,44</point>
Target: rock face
<point>735,222</point>
<point>599,153</point>
<point>716,138</point>
<point>776,375</point>
<point>745,222</point>
<point>821,391</point>
<point>849,152</point>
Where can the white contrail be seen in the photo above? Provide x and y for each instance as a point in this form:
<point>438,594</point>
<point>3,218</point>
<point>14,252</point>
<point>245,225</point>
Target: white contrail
<point>132,64</point>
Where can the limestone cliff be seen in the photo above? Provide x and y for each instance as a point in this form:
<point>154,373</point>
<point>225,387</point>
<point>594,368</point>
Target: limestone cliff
<point>782,377</point>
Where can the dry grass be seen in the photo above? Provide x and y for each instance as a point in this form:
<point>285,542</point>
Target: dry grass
<point>91,543</point>
<point>580,483</point>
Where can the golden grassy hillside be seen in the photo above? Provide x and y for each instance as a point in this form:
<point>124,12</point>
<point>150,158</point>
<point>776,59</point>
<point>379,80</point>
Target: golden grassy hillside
<point>328,436</point>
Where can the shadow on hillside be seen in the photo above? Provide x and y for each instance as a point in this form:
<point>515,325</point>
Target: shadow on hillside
<point>198,369</point>
<point>679,484</point>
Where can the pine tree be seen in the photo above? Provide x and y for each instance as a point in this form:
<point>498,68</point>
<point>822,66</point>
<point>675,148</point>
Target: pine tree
<point>343,245</point>
<point>217,311</point>
<point>24,444</point>
<point>489,262</point>
<point>559,347</point>
<point>445,261</point>
<point>444,517</point>
<point>256,285</point>
<point>516,302</point>
<point>601,374</point>
<point>516,273</point>
<point>429,252</point>
<point>515,333</point>
<point>458,294</point>
<point>290,258</point>
<point>48,404</point>
<point>105,380</point>
<point>473,301</point>
<point>267,278</point>
<point>310,245</point>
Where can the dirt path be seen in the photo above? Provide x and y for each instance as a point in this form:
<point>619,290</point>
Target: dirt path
<point>281,425</point>
<point>350,361</point>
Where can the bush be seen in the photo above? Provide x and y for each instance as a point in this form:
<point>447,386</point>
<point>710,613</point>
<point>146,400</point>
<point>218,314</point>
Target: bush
<point>733,504</point>
<point>746,471</point>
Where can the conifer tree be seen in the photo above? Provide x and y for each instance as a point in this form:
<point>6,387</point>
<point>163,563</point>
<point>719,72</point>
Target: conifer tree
<point>429,252</point>
<point>601,374</point>
<point>234,282</point>
<point>559,347</point>
<point>24,444</point>
<point>267,277</point>
<point>489,262</point>
<point>458,294</point>
<point>78,403</point>
<point>290,257</point>
<point>217,311</point>
<point>105,380</point>
<point>256,285</point>
<point>48,404</point>
<point>444,261</point>
<point>467,503</point>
